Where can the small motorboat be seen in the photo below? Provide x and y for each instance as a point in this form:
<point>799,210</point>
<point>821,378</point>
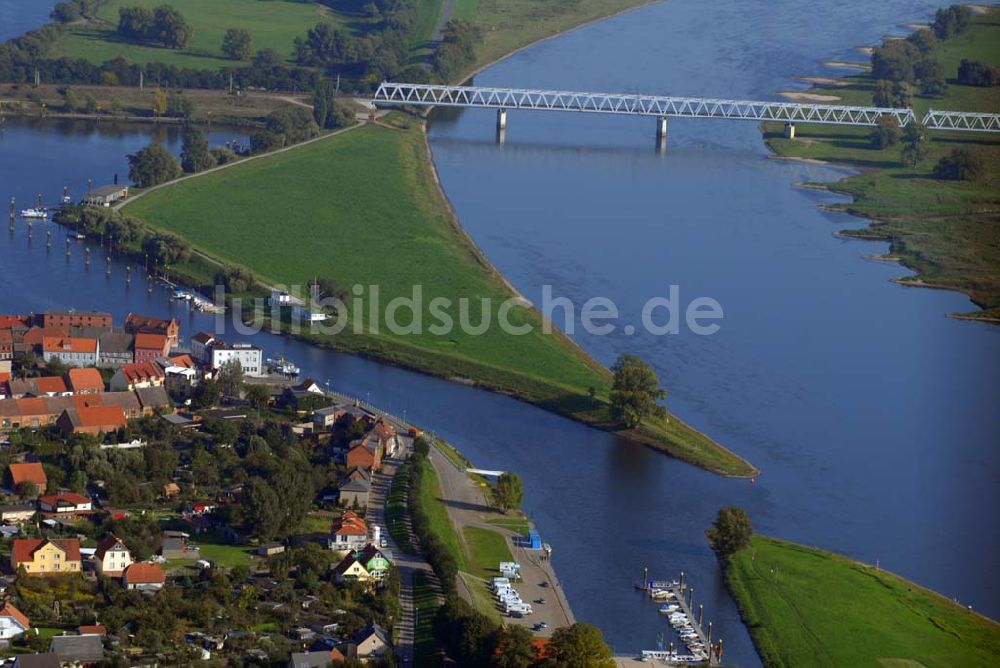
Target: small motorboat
<point>34,213</point>
<point>669,608</point>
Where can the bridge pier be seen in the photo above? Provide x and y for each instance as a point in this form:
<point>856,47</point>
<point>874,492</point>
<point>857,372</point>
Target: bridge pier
<point>661,127</point>
<point>789,130</point>
<point>501,119</point>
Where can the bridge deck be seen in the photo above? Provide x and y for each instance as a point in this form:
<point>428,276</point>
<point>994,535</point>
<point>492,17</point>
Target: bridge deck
<point>666,106</point>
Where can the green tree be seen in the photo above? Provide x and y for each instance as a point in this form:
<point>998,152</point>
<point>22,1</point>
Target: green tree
<point>962,164</point>
<point>731,531</point>
<point>951,21</point>
<point>170,28</point>
<point>635,392</point>
<point>579,646</point>
<point>160,102</point>
<point>195,156</point>
<point>931,76</point>
<point>977,73</point>
<point>508,492</point>
<point>166,248</point>
<point>230,378</point>
<point>915,146</point>
<point>886,133</point>
<point>27,489</point>
<point>236,44</point>
<point>206,394</point>
<point>894,61</point>
<point>153,165</point>
<point>257,395</point>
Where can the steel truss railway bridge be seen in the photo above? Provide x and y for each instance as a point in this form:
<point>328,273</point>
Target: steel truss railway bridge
<point>664,107</point>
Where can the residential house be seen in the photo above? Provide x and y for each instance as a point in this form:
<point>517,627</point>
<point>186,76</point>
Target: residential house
<point>32,338</point>
<point>199,346</point>
<point>70,351</point>
<point>316,659</point>
<point>93,420</point>
<point>270,549</point>
<point>87,380</point>
<point>105,195</point>
<point>154,400</point>
<point>144,577</point>
<point>115,349</point>
<point>181,373</point>
<point>49,386</point>
<point>350,569</point>
<point>92,630</point>
<point>387,438</point>
<point>13,622</point>
<point>65,503</point>
<point>136,375</point>
<point>372,642</point>
<point>365,453</point>
<point>16,513</point>
<point>150,347</point>
<point>47,660</point>
<point>127,401</point>
<point>325,418</point>
<point>354,492</point>
<point>142,324</point>
<point>112,557</point>
<point>375,560</point>
<point>348,532</point>
<point>41,556</point>
<point>77,319</point>
<point>6,344</point>
<point>27,413</point>
<point>175,546</point>
<point>28,472</point>
<point>78,651</point>
<point>249,356</point>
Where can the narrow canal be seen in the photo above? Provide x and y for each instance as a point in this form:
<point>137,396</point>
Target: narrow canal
<point>871,414</point>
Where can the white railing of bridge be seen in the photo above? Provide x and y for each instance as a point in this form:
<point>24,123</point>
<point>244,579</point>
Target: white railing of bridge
<point>666,106</point>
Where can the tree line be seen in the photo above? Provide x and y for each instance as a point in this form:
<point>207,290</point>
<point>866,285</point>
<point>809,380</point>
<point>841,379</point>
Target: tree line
<point>162,25</point>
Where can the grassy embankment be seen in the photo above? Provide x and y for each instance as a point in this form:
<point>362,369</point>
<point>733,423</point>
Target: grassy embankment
<point>272,25</point>
<point>477,552</point>
<point>365,208</point>
<point>808,607</point>
<point>944,230</point>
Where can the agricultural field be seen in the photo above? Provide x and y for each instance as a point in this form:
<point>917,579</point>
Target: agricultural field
<point>805,606</point>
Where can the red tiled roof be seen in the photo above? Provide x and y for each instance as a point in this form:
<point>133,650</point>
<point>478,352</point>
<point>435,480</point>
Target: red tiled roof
<point>100,416</point>
<point>56,344</point>
<point>93,630</point>
<point>202,337</point>
<point>349,525</point>
<point>31,406</point>
<point>146,322</point>
<point>183,361</point>
<point>142,371</point>
<point>147,341</point>
<point>8,610</point>
<point>10,321</point>
<point>68,497</point>
<point>85,379</point>
<point>144,574</point>
<point>35,335</point>
<point>25,548</point>
<point>28,472</point>
<point>50,384</point>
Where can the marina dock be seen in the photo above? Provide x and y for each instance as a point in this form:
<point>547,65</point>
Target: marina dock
<point>701,648</point>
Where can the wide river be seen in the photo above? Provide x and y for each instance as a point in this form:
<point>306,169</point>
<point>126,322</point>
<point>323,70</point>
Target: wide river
<point>873,417</point>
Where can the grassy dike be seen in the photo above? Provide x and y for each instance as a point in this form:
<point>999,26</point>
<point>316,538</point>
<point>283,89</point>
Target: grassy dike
<point>946,231</point>
<point>809,607</point>
<point>365,208</point>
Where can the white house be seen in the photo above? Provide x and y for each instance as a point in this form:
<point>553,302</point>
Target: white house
<point>250,357</point>
<point>13,622</point>
<point>112,557</point>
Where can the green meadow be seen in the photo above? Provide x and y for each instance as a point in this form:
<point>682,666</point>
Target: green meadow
<point>272,24</point>
<point>809,607</point>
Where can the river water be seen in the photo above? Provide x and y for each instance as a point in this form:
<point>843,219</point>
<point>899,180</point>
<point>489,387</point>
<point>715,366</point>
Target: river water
<point>871,415</point>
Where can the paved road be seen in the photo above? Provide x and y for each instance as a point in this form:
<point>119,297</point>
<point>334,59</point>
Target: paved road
<point>467,506</point>
<point>406,564</point>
